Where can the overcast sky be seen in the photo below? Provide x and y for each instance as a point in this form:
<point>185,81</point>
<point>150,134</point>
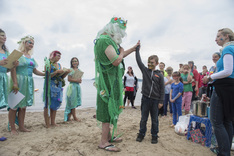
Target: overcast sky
<point>176,30</point>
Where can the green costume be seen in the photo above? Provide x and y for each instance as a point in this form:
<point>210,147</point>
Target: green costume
<point>4,90</point>
<point>24,72</point>
<point>108,79</point>
<point>73,96</point>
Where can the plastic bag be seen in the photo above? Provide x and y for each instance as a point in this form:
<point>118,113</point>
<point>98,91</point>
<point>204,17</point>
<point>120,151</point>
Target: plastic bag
<point>182,125</point>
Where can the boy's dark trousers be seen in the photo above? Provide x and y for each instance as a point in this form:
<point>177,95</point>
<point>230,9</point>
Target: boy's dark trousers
<point>149,106</point>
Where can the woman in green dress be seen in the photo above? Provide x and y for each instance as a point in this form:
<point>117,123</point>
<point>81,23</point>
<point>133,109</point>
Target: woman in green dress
<point>3,73</point>
<point>73,91</point>
<point>23,82</point>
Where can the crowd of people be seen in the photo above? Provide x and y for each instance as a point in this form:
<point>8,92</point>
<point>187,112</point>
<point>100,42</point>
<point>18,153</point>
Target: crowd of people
<point>160,88</point>
<point>178,89</point>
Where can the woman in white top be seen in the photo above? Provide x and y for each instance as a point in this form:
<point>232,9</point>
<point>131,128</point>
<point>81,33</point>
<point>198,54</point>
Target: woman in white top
<point>129,83</point>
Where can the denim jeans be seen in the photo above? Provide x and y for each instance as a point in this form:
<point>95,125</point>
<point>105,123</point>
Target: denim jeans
<point>222,127</point>
<point>149,105</point>
<point>166,101</point>
<point>177,110</point>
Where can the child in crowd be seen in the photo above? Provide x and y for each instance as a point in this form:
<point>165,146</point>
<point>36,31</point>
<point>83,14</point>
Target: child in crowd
<point>168,81</point>
<point>176,96</point>
<point>188,90</point>
<point>203,88</point>
<point>152,96</point>
<point>73,91</point>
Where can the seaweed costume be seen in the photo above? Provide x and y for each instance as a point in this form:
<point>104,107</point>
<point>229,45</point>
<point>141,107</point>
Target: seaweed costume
<point>108,80</point>
<point>53,91</point>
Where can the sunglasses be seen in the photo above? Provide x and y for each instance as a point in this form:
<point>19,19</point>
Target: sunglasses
<point>30,42</point>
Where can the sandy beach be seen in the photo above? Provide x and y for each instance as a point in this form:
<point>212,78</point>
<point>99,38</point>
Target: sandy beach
<point>82,138</point>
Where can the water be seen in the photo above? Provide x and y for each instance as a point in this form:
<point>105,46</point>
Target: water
<point>88,95</point>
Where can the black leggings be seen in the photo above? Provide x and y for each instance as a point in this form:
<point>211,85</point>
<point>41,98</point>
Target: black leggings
<point>130,97</point>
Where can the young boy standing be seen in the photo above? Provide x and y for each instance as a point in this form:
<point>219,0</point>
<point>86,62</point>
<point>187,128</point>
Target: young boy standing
<point>152,96</point>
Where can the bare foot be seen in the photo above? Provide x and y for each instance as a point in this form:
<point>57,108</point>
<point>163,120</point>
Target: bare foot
<point>14,132</point>
<point>78,120</point>
<point>47,126</point>
<point>172,126</point>
<point>54,125</point>
<point>24,130</point>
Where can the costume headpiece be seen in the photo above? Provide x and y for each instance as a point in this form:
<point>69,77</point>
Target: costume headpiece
<point>122,23</point>
<point>26,37</point>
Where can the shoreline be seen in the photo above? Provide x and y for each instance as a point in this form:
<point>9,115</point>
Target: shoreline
<point>82,138</point>
<point>41,110</point>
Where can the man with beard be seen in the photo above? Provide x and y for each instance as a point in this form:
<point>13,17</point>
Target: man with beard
<point>109,70</point>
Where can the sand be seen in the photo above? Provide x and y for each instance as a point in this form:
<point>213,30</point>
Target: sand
<point>81,138</point>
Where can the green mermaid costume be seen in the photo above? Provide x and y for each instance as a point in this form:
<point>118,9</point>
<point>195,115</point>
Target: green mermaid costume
<point>4,89</point>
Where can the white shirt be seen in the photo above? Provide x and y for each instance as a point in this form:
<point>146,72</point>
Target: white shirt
<point>129,81</point>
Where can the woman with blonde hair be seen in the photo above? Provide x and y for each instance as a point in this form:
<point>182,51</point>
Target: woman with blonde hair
<point>222,99</point>
<point>23,82</point>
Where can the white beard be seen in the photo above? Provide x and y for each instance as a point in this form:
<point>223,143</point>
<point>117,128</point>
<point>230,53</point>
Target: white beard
<point>117,39</point>
<point>118,35</point>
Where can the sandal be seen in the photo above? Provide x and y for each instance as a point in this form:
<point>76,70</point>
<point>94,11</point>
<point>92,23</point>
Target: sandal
<point>116,140</point>
<point>110,148</point>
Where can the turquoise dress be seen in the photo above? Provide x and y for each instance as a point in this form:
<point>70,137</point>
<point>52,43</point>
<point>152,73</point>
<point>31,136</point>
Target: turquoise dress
<point>56,90</point>
<point>73,96</point>
<point>25,81</point>
<point>4,90</point>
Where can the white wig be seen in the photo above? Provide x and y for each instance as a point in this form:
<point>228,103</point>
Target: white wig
<point>114,31</point>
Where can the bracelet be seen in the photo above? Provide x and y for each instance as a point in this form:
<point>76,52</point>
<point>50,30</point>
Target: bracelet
<point>15,88</point>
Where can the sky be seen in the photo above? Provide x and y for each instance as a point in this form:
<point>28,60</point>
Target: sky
<point>176,30</point>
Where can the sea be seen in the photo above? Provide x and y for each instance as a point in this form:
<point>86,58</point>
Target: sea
<point>88,95</point>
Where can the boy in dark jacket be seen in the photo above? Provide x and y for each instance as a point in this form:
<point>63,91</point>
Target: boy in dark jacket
<point>152,96</point>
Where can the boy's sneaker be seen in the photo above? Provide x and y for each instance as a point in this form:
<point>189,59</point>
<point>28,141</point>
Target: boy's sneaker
<point>140,137</point>
<point>154,140</point>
